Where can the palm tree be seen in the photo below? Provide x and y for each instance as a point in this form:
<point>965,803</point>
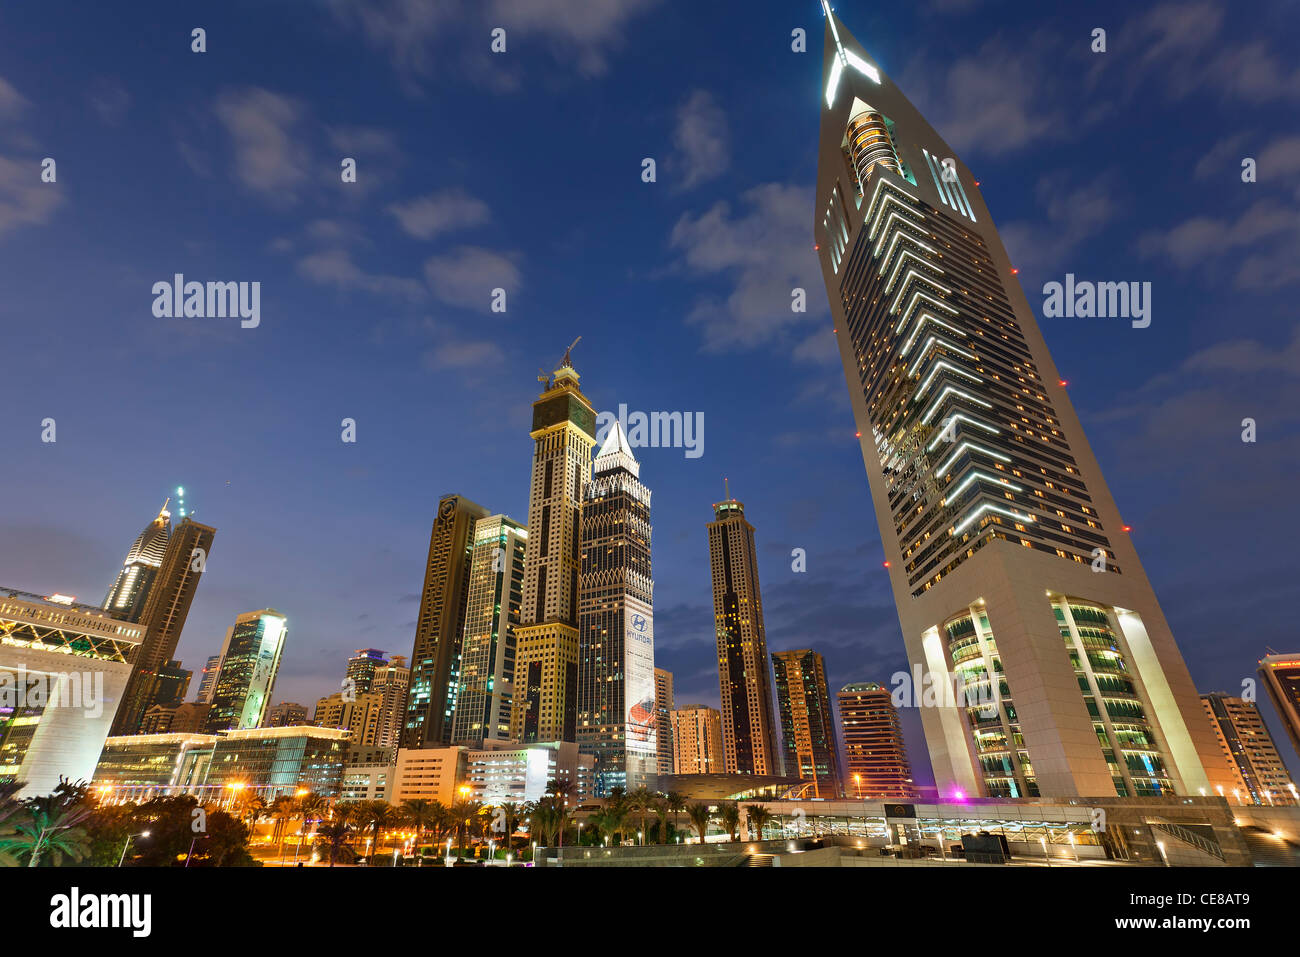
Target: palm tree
<point>730,817</point>
<point>641,801</point>
<point>661,812</point>
<point>283,808</point>
<point>700,816</point>
<point>418,812</point>
<point>51,825</point>
<point>311,808</point>
<point>615,815</point>
<point>676,803</point>
<point>758,816</point>
<point>375,816</point>
<point>333,836</point>
<point>511,813</point>
<point>464,815</point>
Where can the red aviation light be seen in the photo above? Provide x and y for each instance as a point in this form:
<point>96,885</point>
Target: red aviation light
<point>1063,383</point>
<point>1128,528</point>
<point>886,564</point>
<point>1015,271</point>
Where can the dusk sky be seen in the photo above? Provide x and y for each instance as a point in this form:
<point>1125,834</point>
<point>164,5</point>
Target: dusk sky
<point>522,171</point>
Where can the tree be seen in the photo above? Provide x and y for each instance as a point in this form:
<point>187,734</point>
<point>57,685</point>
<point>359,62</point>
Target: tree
<point>283,809</point>
<point>699,816</point>
<point>676,803</point>
<point>510,814</point>
<point>50,827</point>
<point>641,802</point>
<point>376,816</point>
<point>759,816</point>
<point>661,812</point>
<point>730,818</point>
<point>10,807</point>
<point>464,816</point>
<point>332,836</point>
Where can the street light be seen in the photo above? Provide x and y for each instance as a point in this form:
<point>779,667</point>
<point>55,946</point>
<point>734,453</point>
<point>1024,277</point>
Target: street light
<point>128,844</point>
<point>857,779</point>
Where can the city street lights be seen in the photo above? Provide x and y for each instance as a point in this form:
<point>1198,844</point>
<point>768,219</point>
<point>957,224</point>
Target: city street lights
<point>128,844</point>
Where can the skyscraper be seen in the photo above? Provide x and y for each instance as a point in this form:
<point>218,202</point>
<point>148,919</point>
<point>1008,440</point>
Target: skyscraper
<point>748,740</point>
<point>1013,574</point>
<point>697,740</point>
<point>546,660</point>
<point>392,682</point>
<point>808,746</point>
<point>487,657</point>
<point>126,596</point>
<point>209,679</point>
<point>664,705</point>
<point>251,662</point>
<point>1250,751</point>
<point>1281,675</point>
<point>617,722</point>
<point>438,631</point>
<point>875,757</point>
<point>165,609</point>
<point>361,668</point>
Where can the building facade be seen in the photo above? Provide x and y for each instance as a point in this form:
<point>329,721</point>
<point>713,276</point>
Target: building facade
<point>251,662</point>
<point>748,737</point>
<point>487,659</point>
<point>63,670</point>
<point>1017,587</point>
<point>665,703</point>
<point>361,668</point>
<point>808,747</point>
<point>430,774</point>
<point>1281,676</point>
<point>697,740</point>
<point>126,596</point>
<point>166,606</point>
<point>876,763</point>
<point>617,719</point>
<point>545,702</point>
<point>431,700</point>
<point>1261,774</point>
<point>208,681</point>
<point>508,773</point>
<point>286,714</point>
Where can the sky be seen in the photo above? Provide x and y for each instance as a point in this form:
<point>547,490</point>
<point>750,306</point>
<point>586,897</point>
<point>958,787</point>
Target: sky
<point>522,171</point>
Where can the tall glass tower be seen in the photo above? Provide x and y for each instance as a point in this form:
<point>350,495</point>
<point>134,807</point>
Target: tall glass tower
<point>617,720</point>
<point>126,597</point>
<point>1020,596</point>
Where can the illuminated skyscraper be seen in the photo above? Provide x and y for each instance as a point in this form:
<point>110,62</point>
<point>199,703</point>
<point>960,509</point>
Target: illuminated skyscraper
<point>748,737</point>
<point>1012,570</point>
<point>209,679</point>
<point>252,654</point>
<point>166,607</point>
<point>436,654</point>
<point>664,706</point>
<point>617,722</point>
<point>697,740</point>
<point>487,657</point>
<point>876,759</point>
<point>361,668</point>
<point>126,597</point>
<point>808,748</point>
<point>1250,751</point>
<point>546,659</point>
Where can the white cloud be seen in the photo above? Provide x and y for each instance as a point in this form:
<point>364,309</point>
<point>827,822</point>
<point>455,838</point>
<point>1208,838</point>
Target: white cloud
<point>263,130</point>
<point>440,212</point>
<point>763,253</point>
<point>591,28</point>
<point>467,275</point>
<point>24,199</point>
<point>335,267</point>
<point>700,140</point>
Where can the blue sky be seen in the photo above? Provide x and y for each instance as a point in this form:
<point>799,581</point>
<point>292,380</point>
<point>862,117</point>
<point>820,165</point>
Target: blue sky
<point>522,171</point>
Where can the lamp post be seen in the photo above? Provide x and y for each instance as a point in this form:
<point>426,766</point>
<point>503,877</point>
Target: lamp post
<point>128,844</point>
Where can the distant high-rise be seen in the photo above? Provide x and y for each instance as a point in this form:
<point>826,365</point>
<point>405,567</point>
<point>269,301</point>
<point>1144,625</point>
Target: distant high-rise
<point>251,662</point>
<point>392,682</point>
<point>1281,675</point>
<point>617,722</point>
<point>545,704</point>
<point>209,679</point>
<point>286,714</point>
<point>361,668</point>
<point>664,705</point>
<point>697,740</point>
<point>748,736</point>
<point>1249,748</point>
<point>438,631</point>
<point>1018,589</point>
<point>361,714</point>
<point>165,610</point>
<point>126,597</point>
<point>487,657</point>
<point>876,760</point>
<point>808,745</point>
